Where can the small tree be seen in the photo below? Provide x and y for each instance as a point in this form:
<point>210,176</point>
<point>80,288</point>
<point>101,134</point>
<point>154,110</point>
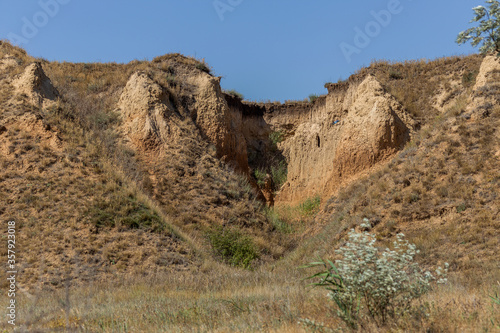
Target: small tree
<point>487,32</point>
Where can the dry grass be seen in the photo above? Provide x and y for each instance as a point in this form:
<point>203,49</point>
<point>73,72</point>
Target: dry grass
<point>222,299</point>
<point>417,83</point>
<point>127,234</point>
<point>53,194</point>
<point>106,187</point>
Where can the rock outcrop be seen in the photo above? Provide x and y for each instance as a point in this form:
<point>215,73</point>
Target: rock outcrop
<point>486,89</point>
<point>218,124</point>
<point>349,131</point>
<point>489,67</point>
<point>34,84</point>
<point>325,144</point>
<point>149,118</point>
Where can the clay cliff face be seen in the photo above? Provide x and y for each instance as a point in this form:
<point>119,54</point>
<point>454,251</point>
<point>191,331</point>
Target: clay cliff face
<point>32,87</point>
<point>351,129</point>
<point>486,88</point>
<point>185,151</point>
<point>374,127</point>
<point>148,116</point>
<point>343,133</point>
<point>150,119</point>
<point>216,122</point>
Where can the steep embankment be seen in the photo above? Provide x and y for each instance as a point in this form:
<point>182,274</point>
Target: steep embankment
<point>322,144</point>
<point>360,122</point>
<point>64,201</point>
<point>97,157</point>
<point>441,191</point>
<point>118,170</point>
<point>351,129</point>
<point>188,153</point>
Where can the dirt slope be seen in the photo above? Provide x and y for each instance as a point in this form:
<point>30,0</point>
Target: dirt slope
<point>190,155</point>
<point>97,157</point>
<point>58,192</point>
<point>441,191</point>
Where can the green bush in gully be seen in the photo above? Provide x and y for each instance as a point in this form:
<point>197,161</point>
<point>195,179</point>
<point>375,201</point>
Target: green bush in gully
<point>277,167</point>
<point>232,246</point>
<point>311,205</point>
<point>369,283</point>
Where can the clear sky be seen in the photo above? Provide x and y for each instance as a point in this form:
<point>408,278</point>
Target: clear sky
<point>265,49</point>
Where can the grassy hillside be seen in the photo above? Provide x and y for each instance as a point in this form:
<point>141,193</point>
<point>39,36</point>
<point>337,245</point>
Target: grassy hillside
<point>113,239</point>
<point>426,88</point>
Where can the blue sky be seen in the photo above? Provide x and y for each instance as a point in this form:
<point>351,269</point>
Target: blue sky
<point>267,50</point>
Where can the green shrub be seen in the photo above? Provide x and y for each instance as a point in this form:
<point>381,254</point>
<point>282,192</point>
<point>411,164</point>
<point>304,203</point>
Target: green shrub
<point>260,175</point>
<point>462,207</point>
<point>275,138</point>
<point>277,222</point>
<point>369,283</point>
<point>232,246</point>
<point>279,174</point>
<point>203,67</point>
<point>469,78</point>
<point>123,210</point>
<point>495,299</point>
<point>310,206</point>
<point>312,98</point>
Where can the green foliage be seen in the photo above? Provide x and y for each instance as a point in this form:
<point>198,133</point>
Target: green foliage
<point>487,33</point>
<point>369,283</point>
<point>203,67</point>
<point>311,205</point>
<point>469,78</point>
<point>124,210</point>
<point>495,299</point>
<point>279,174</point>
<point>313,97</point>
<point>232,246</point>
<point>462,207</point>
<point>278,223</point>
<point>260,175</point>
<point>270,162</point>
<point>276,137</point>
<point>234,93</point>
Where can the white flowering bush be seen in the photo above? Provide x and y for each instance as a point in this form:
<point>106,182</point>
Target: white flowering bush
<point>375,283</point>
